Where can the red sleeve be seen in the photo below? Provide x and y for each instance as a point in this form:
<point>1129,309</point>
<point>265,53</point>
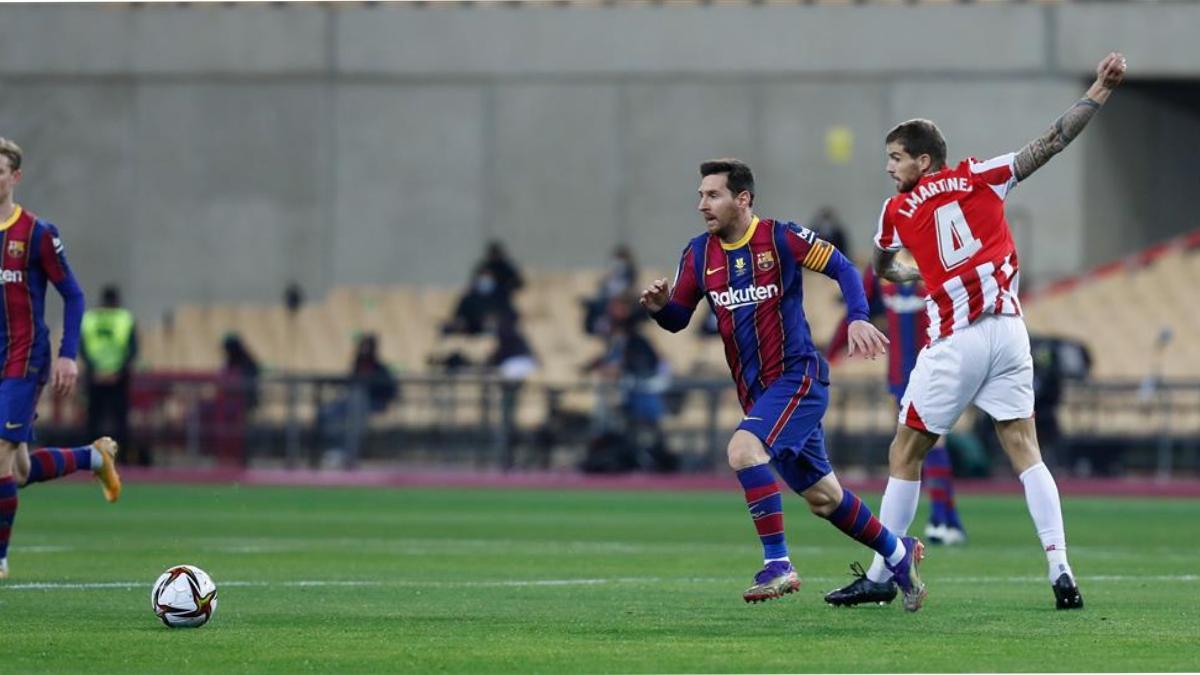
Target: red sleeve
<point>886,236</point>
<point>998,173</point>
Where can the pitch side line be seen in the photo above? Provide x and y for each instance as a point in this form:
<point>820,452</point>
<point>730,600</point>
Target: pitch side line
<point>534,583</point>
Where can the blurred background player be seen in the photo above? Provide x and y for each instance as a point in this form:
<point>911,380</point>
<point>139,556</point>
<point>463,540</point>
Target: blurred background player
<point>952,220</point>
<point>902,306</point>
<point>749,269</point>
<point>31,253</point>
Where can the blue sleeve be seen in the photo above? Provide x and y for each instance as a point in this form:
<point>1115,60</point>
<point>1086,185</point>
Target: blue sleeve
<point>673,317</point>
<point>73,306</point>
<point>843,271</point>
<point>53,258</point>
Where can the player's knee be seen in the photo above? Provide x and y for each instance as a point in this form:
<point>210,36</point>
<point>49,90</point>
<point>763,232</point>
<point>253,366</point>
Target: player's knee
<point>744,450</point>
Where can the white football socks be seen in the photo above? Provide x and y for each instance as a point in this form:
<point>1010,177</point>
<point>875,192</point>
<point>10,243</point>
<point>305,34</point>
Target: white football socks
<point>1041,495</point>
<point>97,459</point>
<point>899,507</point>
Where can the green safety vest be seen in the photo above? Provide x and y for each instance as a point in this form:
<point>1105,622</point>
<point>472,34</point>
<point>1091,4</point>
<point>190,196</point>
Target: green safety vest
<point>107,332</point>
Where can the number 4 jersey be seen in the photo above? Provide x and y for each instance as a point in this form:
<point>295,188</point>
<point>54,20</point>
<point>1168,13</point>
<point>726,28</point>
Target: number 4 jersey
<point>953,223</point>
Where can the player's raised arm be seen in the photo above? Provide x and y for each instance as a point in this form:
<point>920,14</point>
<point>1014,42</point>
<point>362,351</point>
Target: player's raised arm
<point>1109,75</point>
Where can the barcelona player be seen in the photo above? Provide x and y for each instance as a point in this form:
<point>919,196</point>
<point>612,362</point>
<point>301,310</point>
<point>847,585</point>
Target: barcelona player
<point>31,254</point>
<point>951,218</point>
<point>750,271</point>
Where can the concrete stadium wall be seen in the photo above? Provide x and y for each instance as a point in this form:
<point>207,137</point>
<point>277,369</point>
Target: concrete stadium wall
<point>210,153</point>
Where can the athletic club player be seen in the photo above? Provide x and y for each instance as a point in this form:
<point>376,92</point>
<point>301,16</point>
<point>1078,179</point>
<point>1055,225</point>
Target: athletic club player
<point>951,218</point>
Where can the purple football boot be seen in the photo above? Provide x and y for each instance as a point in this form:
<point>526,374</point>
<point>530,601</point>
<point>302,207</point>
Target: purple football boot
<point>776,579</point>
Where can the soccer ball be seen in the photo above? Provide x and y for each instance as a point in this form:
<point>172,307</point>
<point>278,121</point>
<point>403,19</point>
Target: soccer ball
<point>184,597</point>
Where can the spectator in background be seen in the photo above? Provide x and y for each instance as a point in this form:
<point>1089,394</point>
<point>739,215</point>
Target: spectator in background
<point>640,376</point>
<point>828,226</point>
<point>240,372</point>
<point>484,298</point>
<point>109,349</point>
<point>618,279</point>
<point>1055,360</point>
<point>503,270</point>
<point>513,361</point>
<point>226,415</point>
<point>512,357</point>
<point>370,389</point>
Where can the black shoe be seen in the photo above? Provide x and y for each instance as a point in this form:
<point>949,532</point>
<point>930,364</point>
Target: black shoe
<point>1066,593</point>
<point>861,590</point>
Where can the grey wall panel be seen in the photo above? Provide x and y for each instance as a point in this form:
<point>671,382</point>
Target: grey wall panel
<point>704,40</point>
<point>801,122</point>
<point>47,39</point>
<point>410,190</point>
<point>232,191</point>
<point>202,38</point>
<point>78,172</point>
<point>207,38</point>
<point>991,118</point>
<point>671,130</point>
<point>1159,39</point>
<point>556,175</point>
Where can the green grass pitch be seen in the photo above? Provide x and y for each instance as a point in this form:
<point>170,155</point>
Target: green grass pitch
<point>471,580</point>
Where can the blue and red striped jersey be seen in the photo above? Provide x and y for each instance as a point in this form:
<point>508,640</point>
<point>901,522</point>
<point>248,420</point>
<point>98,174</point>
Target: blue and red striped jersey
<point>755,288</point>
<point>904,307</point>
<point>31,254</point>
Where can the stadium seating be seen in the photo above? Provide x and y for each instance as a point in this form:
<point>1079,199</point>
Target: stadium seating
<point>1120,311</point>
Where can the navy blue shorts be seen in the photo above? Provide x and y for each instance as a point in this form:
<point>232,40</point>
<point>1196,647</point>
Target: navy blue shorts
<point>18,405</point>
<point>787,419</point>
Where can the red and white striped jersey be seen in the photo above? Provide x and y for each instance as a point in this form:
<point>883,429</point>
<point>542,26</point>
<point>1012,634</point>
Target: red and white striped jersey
<point>953,223</point>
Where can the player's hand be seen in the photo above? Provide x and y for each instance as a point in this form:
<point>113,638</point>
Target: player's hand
<point>656,297</point>
<point>63,374</point>
<point>865,339</point>
<point>1110,73</point>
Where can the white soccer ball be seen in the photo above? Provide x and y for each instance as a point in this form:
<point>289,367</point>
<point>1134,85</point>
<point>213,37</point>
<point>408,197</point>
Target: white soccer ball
<point>184,597</point>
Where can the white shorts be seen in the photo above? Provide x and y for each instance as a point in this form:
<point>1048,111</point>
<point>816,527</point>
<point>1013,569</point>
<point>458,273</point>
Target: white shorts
<point>987,363</point>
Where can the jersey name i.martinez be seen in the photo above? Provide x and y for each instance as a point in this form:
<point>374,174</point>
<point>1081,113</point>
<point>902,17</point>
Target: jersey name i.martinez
<point>754,287</point>
<point>31,254</point>
<point>953,223</point>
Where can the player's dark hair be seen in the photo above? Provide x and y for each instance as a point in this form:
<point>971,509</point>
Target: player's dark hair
<point>738,176</point>
<point>920,137</point>
<point>12,151</point>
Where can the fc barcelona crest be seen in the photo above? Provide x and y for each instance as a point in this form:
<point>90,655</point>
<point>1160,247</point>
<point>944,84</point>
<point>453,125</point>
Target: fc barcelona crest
<point>765,260</point>
<point>16,248</point>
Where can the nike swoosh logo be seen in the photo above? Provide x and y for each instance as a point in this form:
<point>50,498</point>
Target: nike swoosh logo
<point>10,425</point>
<point>747,419</point>
<point>715,271</point>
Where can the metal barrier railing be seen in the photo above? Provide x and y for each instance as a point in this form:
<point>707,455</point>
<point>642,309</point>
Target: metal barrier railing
<point>486,421</point>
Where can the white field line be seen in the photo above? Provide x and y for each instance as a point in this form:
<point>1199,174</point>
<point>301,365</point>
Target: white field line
<point>534,583</point>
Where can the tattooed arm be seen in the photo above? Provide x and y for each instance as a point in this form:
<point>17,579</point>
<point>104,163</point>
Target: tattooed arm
<point>887,267</point>
<point>1109,74</point>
